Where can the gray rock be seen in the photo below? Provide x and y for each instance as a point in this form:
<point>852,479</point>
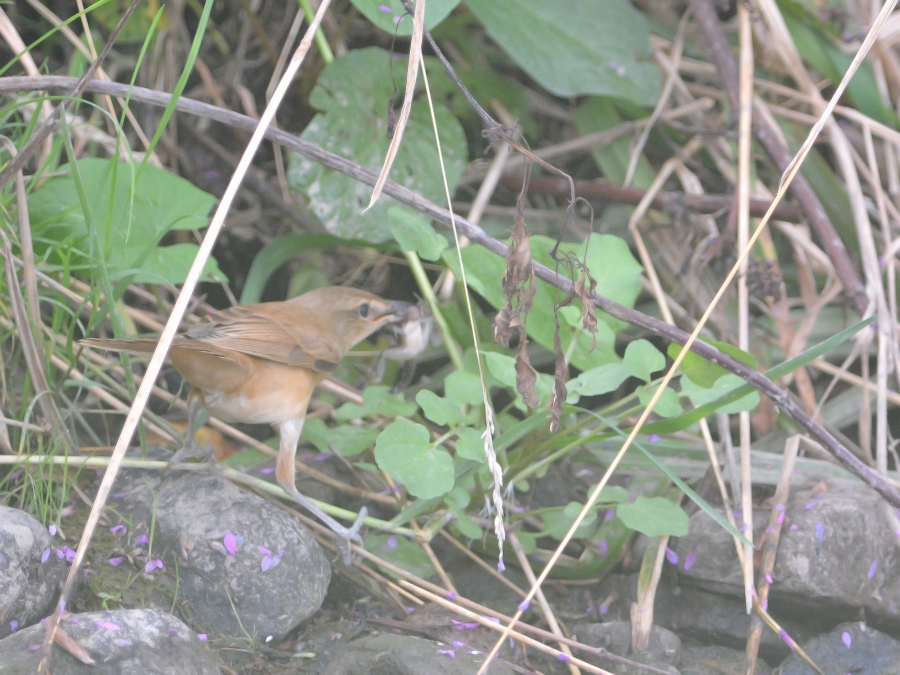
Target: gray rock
<point>277,577</point>
<point>836,550</point>
<point>122,642</point>
<point>849,648</point>
<point>28,586</point>
<point>615,637</point>
<point>388,654</point>
<point>717,661</point>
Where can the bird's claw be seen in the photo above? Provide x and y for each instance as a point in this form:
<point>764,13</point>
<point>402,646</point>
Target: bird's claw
<point>190,450</point>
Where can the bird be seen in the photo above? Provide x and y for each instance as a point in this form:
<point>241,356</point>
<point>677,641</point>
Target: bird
<point>260,363</point>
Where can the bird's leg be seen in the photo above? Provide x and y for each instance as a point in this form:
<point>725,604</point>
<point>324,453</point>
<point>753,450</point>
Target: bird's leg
<point>190,449</point>
<point>284,472</point>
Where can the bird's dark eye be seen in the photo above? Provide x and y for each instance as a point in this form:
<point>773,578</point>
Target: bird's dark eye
<point>364,310</point>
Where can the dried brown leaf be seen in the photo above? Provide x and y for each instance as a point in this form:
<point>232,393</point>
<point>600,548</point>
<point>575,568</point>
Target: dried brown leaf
<point>526,377</point>
<point>560,372</point>
<point>63,641</point>
<point>584,289</point>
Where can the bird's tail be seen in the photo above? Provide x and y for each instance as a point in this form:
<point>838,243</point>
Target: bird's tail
<point>135,346</point>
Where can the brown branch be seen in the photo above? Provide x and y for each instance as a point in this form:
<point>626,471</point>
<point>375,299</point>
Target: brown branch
<point>779,396</point>
<point>670,202</point>
<point>720,54</point>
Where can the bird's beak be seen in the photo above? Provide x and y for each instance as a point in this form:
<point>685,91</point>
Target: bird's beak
<point>395,311</point>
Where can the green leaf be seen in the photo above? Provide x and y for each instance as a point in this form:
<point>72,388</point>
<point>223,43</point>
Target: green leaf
<point>438,410</point>
<point>668,404</point>
<point>405,451</point>
<point>399,551</point>
<point>576,47</point>
<point>127,223</point>
<point>613,494</point>
<point>171,264</point>
<point>413,233</point>
<point>600,380</point>
<point>470,444</point>
<point>527,540</point>
<point>463,388</point>
<point>390,21</point>
<point>347,439</point>
<point>779,371</point>
<point>353,95</point>
<point>654,516</point>
<point>468,527</point>
<point>457,499</point>
<point>377,400</point>
<point>701,396</point>
<point>643,359</point>
<point>703,372</point>
<point>559,521</point>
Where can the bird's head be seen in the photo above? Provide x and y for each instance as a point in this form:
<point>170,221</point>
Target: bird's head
<point>355,314</point>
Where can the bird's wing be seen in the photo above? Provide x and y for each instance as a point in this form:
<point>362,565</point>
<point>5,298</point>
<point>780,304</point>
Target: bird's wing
<point>275,331</point>
<point>146,346</point>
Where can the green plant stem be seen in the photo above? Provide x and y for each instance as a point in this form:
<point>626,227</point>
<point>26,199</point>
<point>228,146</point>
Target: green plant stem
<point>415,265</point>
<point>220,469</point>
<point>321,40</point>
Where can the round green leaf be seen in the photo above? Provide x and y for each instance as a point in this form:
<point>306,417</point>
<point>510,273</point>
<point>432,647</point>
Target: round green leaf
<point>405,451</point>
<point>400,551</point>
<point>668,404</point>
<point>701,396</point>
<point>643,359</point>
<point>559,521</point>
<point>654,516</point>
<point>463,388</point>
<point>386,14</point>
<point>438,410</point>
<point>470,444</point>
<point>600,380</point>
<point>413,233</point>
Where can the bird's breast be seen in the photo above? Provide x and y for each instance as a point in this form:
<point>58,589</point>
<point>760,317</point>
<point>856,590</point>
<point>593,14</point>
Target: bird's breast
<point>264,392</point>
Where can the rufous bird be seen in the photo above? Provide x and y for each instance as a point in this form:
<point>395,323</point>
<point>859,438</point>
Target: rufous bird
<point>260,363</point>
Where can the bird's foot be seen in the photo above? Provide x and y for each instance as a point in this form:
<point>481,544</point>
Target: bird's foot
<point>190,450</point>
<point>345,535</point>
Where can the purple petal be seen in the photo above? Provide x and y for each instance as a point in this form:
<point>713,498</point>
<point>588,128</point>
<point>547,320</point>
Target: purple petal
<point>33,648</point>
<point>654,438</point>
<point>45,556</point>
<point>458,643</point>
<point>115,562</point>
<point>500,566</point>
<point>322,456</point>
<point>173,629</point>
<point>266,563</point>
<point>14,625</point>
<point>873,568</point>
<point>60,553</point>
<point>809,505</point>
<point>119,495</point>
<point>392,542</point>
<point>263,550</point>
<point>230,543</point>
<point>769,579</point>
<point>603,610</point>
<point>117,528</point>
<point>142,540</point>
<point>447,652</point>
<point>268,469</point>
<point>524,605</point>
<point>14,475</point>
<point>108,625</point>
<point>123,642</point>
<point>671,556</point>
<point>787,639</point>
<point>70,554</point>
<point>604,548</point>
<point>451,595</point>
<point>202,637</point>
<point>52,530</point>
<point>385,8</point>
<point>846,639</point>
<point>690,560</point>
<point>563,657</point>
<point>794,527</point>
<point>820,532</point>
<point>609,514</point>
